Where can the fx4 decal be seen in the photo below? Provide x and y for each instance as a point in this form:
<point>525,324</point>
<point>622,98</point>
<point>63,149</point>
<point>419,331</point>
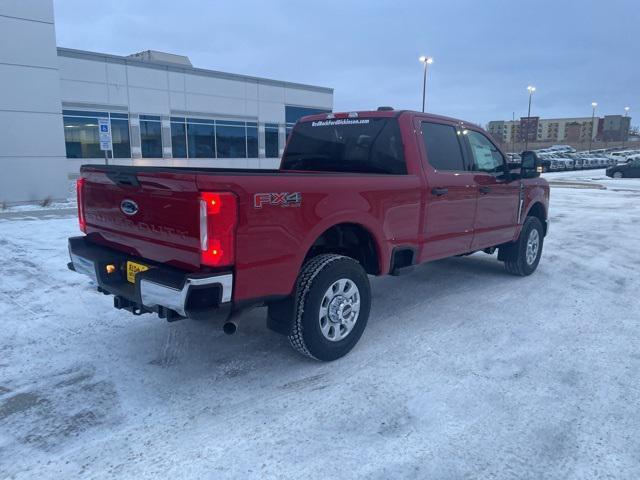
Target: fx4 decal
<point>284,199</point>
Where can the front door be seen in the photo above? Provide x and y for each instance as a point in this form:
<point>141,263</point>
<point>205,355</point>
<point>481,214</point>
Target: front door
<point>634,168</point>
<point>450,199</point>
<point>498,193</point>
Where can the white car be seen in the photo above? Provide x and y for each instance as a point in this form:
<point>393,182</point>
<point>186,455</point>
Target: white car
<point>631,158</point>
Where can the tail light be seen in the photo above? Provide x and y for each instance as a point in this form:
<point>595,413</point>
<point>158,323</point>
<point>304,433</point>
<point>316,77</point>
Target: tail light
<point>218,216</point>
<point>80,194</point>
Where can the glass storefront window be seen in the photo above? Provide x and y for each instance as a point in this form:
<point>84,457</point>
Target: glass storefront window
<point>178,139</point>
<point>190,137</point>
<point>201,140</point>
<point>252,141</point>
<point>82,139</point>
<point>120,138</point>
<point>271,140</point>
<point>231,141</point>
<point>151,136</point>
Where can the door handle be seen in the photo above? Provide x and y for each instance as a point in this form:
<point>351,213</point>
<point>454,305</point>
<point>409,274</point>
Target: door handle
<point>485,189</point>
<point>438,192</point>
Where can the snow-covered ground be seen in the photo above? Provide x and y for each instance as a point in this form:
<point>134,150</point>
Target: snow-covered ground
<point>66,204</point>
<point>463,371</point>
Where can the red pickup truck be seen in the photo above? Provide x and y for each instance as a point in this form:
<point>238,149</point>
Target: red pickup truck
<point>356,194</point>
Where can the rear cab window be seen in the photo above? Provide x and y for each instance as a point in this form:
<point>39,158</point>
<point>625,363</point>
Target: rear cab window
<point>359,145</point>
<point>444,151</point>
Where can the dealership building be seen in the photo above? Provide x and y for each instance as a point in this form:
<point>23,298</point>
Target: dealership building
<point>159,108</point>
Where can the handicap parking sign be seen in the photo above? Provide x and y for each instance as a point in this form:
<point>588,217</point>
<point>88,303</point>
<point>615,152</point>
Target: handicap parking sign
<point>105,134</point>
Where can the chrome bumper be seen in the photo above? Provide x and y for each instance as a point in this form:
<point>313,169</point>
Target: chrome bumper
<point>155,294</point>
<point>164,290</point>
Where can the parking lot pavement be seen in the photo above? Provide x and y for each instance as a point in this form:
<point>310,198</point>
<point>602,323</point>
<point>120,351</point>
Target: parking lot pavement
<point>463,371</point>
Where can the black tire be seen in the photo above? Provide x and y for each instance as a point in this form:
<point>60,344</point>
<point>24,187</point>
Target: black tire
<point>515,254</point>
<point>316,276</point>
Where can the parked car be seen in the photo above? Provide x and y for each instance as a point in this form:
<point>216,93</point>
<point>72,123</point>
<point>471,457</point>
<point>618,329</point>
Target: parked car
<point>630,169</point>
<point>622,155</point>
<point>356,194</point>
<point>578,163</point>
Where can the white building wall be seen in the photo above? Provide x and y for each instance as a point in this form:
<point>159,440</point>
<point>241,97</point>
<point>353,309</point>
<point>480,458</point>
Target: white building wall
<point>32,152</point>
<point>105,82</point>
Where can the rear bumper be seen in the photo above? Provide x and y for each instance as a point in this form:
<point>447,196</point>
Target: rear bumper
<point>171,293</point>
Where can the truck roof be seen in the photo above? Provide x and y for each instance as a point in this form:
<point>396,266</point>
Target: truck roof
<point>381,114</point>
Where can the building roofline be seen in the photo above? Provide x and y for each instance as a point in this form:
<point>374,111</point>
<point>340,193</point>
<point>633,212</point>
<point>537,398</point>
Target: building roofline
<point>561,119</point>
<point>107,57</point>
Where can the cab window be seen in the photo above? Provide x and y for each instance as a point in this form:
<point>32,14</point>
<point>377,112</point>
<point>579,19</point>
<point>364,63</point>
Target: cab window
<point>486,157</point>
<point>442,146</point>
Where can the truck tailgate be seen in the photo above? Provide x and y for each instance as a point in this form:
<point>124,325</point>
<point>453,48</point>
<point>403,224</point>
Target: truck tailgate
<point>153,215</point>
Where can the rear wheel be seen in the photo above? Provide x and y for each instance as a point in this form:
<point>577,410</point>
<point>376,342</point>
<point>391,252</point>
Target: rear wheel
<point>332,306</point>
<point>522,256</point>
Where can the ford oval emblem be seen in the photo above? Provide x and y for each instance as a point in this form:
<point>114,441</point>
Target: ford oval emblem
<point>128,207</point>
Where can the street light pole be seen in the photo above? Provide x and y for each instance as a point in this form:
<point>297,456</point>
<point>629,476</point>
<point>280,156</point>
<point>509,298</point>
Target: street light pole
<point>593,118</point>
<point>513,132</point>
<point>531,89</point>
<point>426,61</point>
<point>624,134</point>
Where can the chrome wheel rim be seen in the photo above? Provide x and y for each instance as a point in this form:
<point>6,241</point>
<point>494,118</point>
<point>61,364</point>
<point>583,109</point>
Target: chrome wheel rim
<point>533,245</point>
<point>339,310</point>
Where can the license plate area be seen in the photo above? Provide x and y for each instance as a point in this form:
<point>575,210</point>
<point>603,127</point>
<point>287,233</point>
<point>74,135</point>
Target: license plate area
<point>133,268</point>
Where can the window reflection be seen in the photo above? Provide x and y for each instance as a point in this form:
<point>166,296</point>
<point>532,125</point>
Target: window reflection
<point>231,141</point>
<point>120,138</point>
<point>151,136</point>
<point>82,139</point>
<point>190,137</point>
<point>271,140</point>
<point>252,142</point>
<point>201,140</point>
<point>178,139</point>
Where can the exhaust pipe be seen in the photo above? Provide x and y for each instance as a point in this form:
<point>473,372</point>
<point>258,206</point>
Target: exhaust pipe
<point>230,327</point>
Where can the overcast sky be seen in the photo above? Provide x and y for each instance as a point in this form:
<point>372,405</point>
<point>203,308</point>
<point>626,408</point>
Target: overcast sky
<point>486,52</point>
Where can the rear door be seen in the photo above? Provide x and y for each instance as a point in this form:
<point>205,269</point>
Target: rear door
<point>450,200</point>
<point>150,214</point>
<point>498,192</point>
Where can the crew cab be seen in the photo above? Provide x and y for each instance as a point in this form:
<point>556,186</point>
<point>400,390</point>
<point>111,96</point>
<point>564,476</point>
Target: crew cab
<point>356,194</point>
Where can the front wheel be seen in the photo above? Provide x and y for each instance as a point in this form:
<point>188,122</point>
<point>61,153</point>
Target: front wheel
<point>332,304</point>
<point>522,256</point>
<point>618,175</point>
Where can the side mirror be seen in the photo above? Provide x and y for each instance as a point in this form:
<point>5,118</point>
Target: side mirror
<point>531,165</point>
